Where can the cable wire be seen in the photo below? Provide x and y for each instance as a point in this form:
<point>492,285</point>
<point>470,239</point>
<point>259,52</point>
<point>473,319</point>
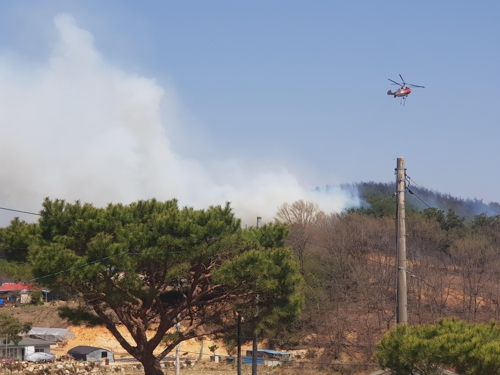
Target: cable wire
<point>412,180</point>
<point>381,200</point>
<point>420,199</point>
<point>24,212</point>
<point>93,262</point>
<point>456,297</point>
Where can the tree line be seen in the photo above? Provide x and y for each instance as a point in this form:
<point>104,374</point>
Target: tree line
<point>348,261</point>
<point>150,265</point>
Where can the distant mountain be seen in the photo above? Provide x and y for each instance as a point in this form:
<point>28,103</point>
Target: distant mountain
<point>378,199</point>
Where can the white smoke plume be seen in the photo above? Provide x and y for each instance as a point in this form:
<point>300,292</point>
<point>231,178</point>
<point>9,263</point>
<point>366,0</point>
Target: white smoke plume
<point>78,127</point>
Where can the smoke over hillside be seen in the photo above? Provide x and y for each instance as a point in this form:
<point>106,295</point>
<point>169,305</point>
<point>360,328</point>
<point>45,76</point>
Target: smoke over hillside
<point>78,127</point>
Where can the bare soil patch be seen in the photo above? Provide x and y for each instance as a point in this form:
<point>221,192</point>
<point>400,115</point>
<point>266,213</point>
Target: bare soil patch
<point>41,316</point>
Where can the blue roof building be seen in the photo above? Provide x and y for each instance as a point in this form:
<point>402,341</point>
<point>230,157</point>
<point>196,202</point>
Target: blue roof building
<point>268,357</point>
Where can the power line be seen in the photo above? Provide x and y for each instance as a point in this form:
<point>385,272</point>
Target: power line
<point>463,298</point>
<point>411,179</point>
<point>93,262</point>
<point>420,199</point>
<point>381,200</point>
<point>23,212</point>
<point>456,297</point>
<point>364,258</point>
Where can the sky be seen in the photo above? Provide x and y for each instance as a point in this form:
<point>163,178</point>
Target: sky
<point>256,103</point>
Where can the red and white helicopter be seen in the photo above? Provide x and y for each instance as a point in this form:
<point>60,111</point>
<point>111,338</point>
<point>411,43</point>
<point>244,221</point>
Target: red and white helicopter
<point>404,91</point>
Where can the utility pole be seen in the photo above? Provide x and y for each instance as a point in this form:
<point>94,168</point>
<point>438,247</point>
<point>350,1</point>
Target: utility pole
<point>6,354</point>
<point>177,352</point>
<point>254,352</point>
<point>6,351</point>
<point>255,336</point>
<point>239,345</point>
<point>402,304</point>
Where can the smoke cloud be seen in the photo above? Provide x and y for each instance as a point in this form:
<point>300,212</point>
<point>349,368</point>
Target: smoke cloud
<point>77,127</point>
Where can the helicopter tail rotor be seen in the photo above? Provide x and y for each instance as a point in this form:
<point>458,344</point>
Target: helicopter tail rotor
<point>390,92</point>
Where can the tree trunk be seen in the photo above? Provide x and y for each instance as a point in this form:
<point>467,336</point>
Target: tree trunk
<point>151,365</point>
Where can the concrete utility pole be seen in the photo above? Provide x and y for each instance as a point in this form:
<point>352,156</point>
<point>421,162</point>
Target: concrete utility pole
<point>6,353</point>
<point>254,351</point>
<point>402,304</point>
<point>255,335</point>
<point>238,369</point>
<point>177,353</point>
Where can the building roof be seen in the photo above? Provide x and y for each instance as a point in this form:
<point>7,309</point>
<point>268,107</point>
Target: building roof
<point>51,334</point>
<point>84,350</point>
<point>28,341</point>
<point>13,287</point>
<point>381,372</point>
<point>269,351</point>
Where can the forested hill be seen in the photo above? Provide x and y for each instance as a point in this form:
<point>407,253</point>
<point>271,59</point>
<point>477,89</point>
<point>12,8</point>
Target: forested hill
<point>377,201</point>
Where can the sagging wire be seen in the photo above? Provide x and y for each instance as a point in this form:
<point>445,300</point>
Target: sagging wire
<point>408,180</point>
<point>23,212</point>
<point>97,261</point>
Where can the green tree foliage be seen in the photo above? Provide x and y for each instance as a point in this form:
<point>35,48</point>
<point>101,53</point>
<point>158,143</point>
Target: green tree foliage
<point>448,221</point>
<point>379,199</point>
<point>408,350</point>
<point>36,297</point>
<point>468,349</point>
<point>11,328</point>
<point>485,221</point>
<point>213,348</point>
<point>150,265</point>
<point>435,214</point>
<point>16,238</point>
<point>417,199</point>
<point>18,271</point>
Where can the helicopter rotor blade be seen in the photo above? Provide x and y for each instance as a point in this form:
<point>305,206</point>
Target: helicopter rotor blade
<point>394,82</point>
<point>412,85</point>
<point>402,79</point>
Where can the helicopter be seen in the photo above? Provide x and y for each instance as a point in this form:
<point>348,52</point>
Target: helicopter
<point>404,91</point>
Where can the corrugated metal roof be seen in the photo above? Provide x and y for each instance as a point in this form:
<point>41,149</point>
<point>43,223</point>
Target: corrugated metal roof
<point>247,360</point>
<point>28,341</point>
<point>269,351</point>
<point>84,350</point>
<point>57,334</point>
<point>381,372</point>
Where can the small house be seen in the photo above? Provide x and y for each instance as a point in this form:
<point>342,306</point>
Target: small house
<point>24,348</point>
<point>15,287</point>
<point>15,292</point>
<point>268,357</point>
<point>91,354</point>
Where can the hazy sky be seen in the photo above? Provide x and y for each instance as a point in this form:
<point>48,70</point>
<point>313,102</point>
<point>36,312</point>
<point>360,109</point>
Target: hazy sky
<point>252,102</point>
